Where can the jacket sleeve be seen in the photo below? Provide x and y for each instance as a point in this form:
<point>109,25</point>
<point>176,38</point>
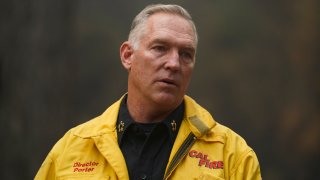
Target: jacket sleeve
<point>247,168</point>
<point>47,169</point>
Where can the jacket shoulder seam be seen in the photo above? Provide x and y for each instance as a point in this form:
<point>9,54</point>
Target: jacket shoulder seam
<point>240,159</point>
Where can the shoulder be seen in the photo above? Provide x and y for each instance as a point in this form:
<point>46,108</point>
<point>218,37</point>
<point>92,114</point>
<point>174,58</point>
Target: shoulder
<point>221,142</point>
<point>237,152</point>
<point>97,126</point>
<point>231,138</point>
<point>204,126</point>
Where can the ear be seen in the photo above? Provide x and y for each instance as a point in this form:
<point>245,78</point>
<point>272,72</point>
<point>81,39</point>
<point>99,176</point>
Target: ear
<point>126,53</point>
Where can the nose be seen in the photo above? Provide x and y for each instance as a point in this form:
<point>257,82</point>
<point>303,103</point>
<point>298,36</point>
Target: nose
<point>173,61</point>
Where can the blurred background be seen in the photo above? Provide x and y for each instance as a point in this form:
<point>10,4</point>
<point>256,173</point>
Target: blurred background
<point>257,72</point>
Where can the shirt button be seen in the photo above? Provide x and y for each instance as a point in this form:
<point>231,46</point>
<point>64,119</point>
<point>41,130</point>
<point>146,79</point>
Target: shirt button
<point>143,177</point>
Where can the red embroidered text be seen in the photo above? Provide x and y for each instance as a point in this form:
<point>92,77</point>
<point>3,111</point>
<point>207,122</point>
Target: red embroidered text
<point>84,167</point>
<point>204,161</point>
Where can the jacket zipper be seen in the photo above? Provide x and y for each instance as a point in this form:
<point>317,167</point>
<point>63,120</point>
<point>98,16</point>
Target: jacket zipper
<point>182,151</point>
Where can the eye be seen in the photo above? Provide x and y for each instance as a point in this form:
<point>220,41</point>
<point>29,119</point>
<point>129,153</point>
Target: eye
<point>159,48</point>
<point>186,55</point>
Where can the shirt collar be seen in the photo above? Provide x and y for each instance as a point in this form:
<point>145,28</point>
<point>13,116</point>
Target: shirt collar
<point>172,122</point>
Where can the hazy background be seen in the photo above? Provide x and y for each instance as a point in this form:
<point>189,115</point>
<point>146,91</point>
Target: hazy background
<point>257,72</point>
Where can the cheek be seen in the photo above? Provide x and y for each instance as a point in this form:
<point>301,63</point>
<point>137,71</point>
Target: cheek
<point>187,72</point>
<point>142,60</point>
<point>142,70</point>
<point>186,75</point>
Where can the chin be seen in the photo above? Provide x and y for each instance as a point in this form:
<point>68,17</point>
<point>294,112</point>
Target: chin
<point>168,99</point>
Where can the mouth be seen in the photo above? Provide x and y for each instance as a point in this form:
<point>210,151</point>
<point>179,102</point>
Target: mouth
<point>169,82</point>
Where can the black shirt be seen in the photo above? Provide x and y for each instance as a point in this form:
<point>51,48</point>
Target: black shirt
<point>146,147</point>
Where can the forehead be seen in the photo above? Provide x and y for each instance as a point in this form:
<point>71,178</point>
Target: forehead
<point>170,27</point>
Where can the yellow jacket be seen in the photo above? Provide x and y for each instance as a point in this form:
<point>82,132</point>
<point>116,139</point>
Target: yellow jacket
<point>203,149</point>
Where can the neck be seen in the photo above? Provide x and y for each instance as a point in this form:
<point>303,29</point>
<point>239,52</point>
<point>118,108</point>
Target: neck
<point>144,112</point>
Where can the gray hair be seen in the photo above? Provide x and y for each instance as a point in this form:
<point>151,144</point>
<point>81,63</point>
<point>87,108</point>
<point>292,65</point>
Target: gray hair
<point>138,23</point>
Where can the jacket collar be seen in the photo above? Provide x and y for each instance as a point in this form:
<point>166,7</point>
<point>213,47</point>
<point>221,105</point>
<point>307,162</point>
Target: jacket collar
<point>103,124</point>
<point>199,120</point>
<point>125,121</point>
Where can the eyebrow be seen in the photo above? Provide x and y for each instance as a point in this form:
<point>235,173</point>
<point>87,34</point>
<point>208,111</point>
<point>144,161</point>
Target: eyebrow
<point>189,47</point>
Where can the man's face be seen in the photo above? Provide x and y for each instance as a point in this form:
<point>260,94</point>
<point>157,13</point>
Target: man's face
<point>161,66</point>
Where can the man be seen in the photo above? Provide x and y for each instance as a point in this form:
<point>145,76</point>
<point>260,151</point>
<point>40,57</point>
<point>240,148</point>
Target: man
<point>154,131</point>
